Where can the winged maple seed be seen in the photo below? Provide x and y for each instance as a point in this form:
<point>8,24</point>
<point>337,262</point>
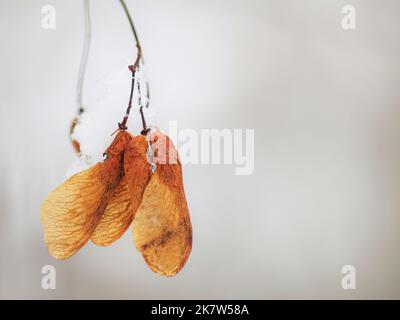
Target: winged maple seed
<point>100,203</point>
<point>162,230</point>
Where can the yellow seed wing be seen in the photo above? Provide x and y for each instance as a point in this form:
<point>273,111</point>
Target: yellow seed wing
<point>117,217</point>
<point>72,211</point>
<point>162,229</point>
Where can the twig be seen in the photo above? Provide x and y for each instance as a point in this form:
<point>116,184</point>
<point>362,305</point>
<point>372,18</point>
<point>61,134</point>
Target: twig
<point>128,15</point>
<point>84,58</point>
<point>134,68</point>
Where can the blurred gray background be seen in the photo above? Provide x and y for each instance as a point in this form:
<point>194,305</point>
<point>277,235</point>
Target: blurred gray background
<point>325,106</point>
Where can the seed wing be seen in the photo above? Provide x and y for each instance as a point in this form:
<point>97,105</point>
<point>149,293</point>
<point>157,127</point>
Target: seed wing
<point>125,200</point>
<point>137,170</point>
<point>71,211</point>
<point>117,217</point>
<point>162,229</point>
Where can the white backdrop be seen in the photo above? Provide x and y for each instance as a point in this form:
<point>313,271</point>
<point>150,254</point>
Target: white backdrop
<point>324,103</point>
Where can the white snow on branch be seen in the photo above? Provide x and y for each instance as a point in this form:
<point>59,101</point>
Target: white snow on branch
<point>100,119</point>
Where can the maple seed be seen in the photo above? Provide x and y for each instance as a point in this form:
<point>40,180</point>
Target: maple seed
<point>72,211</point>
<point>100,203</point>
<point>162,230</point>
<point>127,196</point>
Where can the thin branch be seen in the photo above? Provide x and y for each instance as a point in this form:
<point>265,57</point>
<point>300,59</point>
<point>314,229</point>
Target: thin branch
<point>145,129</point>
<point>84,58</point>
<point>128,15</point>
<point>134,68</point>
<point>122,125</point>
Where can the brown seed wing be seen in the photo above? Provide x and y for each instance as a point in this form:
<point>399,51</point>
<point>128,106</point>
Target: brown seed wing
<point>117,217</point>
<point>137,172</point>
<point>71,211</point>
<point>127,196</point>
<point>162,229</point>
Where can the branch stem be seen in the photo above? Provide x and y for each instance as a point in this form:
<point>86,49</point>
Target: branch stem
<point>84,57</point>
<point>134,68</point>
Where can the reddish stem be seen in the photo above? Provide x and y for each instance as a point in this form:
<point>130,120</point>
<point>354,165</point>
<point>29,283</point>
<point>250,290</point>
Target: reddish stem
<point>122,125</point>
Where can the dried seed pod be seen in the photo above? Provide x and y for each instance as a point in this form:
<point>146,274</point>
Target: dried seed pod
<point>162,229</point>
<point>72,211</point>
<point>117,217</point>
<point>127,196</point>
<point>101,202</point>
<point>136,169</point>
